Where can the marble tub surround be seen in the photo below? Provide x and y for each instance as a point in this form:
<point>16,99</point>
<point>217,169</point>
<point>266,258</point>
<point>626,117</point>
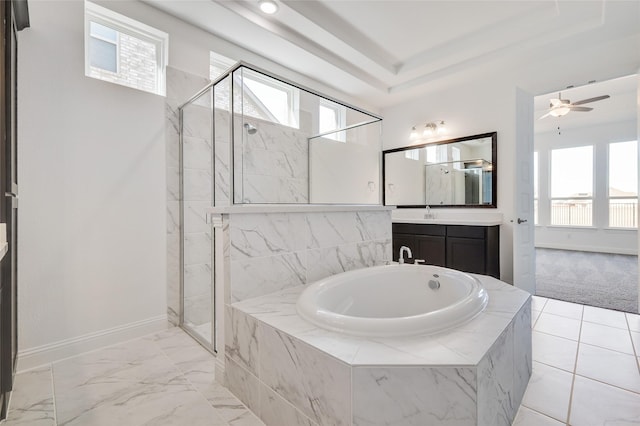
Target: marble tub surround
<point>475,374</point>
<point>273,251</point>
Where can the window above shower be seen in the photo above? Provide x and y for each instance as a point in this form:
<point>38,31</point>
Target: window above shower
<point>287,144</point>
<point>123,51</point>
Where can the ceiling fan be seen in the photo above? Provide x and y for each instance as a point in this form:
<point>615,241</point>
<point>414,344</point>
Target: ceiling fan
<point>559,107</point>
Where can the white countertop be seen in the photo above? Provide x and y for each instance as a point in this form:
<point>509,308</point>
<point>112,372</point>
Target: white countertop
<point>295,208</point>
<point>473,217</point>
<point>445,221</point>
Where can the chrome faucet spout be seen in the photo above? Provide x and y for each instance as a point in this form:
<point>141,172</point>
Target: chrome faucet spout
<point>403,250</point>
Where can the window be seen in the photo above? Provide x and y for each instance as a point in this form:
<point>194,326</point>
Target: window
<point>437,154</point>
<point>535,188</point>
<point>623,184</point>
<point>218,64</point>
<point>124,51</point>
<point>332,116</point>
<point>413,154</point>
<point>572,186</point>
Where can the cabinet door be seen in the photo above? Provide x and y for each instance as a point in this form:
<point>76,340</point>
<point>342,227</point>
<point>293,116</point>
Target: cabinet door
<point>431,249</point>
<point>406,240</point>
<point>466,254</point>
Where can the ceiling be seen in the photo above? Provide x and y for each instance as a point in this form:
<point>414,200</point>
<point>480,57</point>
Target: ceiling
<point>621,106</point>
<point>387,51</point>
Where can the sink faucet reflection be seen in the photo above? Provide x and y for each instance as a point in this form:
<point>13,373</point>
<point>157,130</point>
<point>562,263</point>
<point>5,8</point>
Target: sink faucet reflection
<point>403,250</point>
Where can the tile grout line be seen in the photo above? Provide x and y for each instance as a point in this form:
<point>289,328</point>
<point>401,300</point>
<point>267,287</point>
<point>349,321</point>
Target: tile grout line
<point>575,368</point>
<point>633,346</point>
<point>53,396</point>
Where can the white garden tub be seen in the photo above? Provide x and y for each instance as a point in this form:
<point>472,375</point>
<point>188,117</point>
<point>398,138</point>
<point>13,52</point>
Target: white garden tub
<point>393,300</point>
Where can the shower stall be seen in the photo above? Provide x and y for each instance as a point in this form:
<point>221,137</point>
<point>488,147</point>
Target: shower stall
<point>251,137</point>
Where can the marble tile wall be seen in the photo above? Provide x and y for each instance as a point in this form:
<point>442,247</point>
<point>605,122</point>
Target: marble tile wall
<point>272,165</point>
<point>270,252</point>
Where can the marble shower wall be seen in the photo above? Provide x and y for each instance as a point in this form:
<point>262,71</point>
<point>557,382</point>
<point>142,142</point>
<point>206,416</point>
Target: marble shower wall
<point>197,175</point>
<point>271,165</point>
<point>273,251</point>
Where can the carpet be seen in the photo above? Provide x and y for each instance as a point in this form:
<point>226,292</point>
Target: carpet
<point>597,279</point>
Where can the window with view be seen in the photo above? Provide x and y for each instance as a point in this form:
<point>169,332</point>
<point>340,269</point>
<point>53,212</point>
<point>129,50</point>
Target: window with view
<point>332,116</point>
<point>572,186</point>
<point>623,184</point>
<point>121,50</point>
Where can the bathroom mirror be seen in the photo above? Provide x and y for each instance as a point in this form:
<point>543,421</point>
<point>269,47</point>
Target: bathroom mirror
<point>457,172</point>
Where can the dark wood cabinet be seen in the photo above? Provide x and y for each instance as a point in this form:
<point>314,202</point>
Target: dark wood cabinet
<point>473,249</point>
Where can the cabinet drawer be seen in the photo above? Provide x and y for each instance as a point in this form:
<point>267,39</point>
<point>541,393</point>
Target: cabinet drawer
<point>464,231</point>
<point>419,229</point>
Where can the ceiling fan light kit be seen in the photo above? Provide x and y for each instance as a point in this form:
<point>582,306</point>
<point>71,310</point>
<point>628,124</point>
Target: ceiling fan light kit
<point>561,107</point>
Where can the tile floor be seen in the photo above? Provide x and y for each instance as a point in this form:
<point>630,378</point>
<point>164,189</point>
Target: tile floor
<point>586,372</point>
<point>586,369</point>
<point>160,380</point>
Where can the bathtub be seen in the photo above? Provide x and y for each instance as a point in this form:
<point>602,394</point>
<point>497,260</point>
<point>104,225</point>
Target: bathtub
<point>393,300</point>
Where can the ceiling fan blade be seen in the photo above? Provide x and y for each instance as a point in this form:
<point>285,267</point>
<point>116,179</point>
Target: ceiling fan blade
<point>586,101</point>
<point>546,115</point>
<point>580,108</point>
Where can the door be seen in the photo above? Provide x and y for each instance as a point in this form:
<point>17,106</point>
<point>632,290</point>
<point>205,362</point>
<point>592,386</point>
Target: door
<point>523,227</point>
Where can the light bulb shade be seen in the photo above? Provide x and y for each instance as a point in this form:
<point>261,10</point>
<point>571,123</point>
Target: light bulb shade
<point>414,134</point>
<point>442,128</point>
<point>267,6</point>
<point>429,130</point>
<point>559,112</point>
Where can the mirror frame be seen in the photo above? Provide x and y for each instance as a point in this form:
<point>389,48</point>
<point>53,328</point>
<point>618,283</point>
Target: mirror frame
<point>494,180</point>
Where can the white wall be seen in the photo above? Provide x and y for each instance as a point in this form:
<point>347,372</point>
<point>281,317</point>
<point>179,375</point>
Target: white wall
<point>468,110</point>
<point>92,197</point>
<point>598,238</point>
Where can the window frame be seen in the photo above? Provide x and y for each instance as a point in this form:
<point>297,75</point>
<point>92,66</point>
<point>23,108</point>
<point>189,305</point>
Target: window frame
<point>340,111</point>
<point>116,43</point>
<point>125,25</point>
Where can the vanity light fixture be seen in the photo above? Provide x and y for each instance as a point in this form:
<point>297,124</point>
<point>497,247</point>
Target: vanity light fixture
<point>268,6</point>
<point>431,129</point>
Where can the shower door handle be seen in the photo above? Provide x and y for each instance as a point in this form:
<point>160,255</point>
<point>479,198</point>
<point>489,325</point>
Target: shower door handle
<point>521,221</point>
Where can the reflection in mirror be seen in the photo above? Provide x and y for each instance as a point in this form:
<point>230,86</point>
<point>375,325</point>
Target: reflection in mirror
<point>454,173</point>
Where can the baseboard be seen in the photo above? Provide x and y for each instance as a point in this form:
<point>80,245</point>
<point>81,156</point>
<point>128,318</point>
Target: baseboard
<point>46,354</point>
<point>611,250</point>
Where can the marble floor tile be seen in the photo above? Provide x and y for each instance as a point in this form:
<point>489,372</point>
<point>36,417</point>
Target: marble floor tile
<point>598,404</point>
<point>32,399</point>
<point>538,302</point>
<point>568,328</point>
<point>549,391</point>
<point>614,368</point>
<point>527,417</point>
<point>534,317</point>
<point>633,320</point>
<point>635,338</point>
<point>554,351</point>
<point>605,317</point>
<point>564,309</point>
<point>607,337</point>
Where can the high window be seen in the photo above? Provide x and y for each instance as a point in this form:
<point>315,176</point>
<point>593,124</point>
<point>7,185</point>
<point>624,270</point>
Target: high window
<point>623,184</point>
<point>332,116</point>
<point>572,186</point>
<point>124,51</point>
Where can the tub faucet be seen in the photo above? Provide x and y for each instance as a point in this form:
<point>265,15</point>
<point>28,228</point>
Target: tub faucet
<point>404,249</point>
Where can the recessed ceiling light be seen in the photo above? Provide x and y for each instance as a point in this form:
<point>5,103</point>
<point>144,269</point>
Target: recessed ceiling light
<point>268,6</point>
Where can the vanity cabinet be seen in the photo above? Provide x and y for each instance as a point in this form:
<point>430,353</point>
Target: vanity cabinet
<point>466,248</point>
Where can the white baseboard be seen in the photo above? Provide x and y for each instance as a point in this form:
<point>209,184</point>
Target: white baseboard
<point>56,351</point>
